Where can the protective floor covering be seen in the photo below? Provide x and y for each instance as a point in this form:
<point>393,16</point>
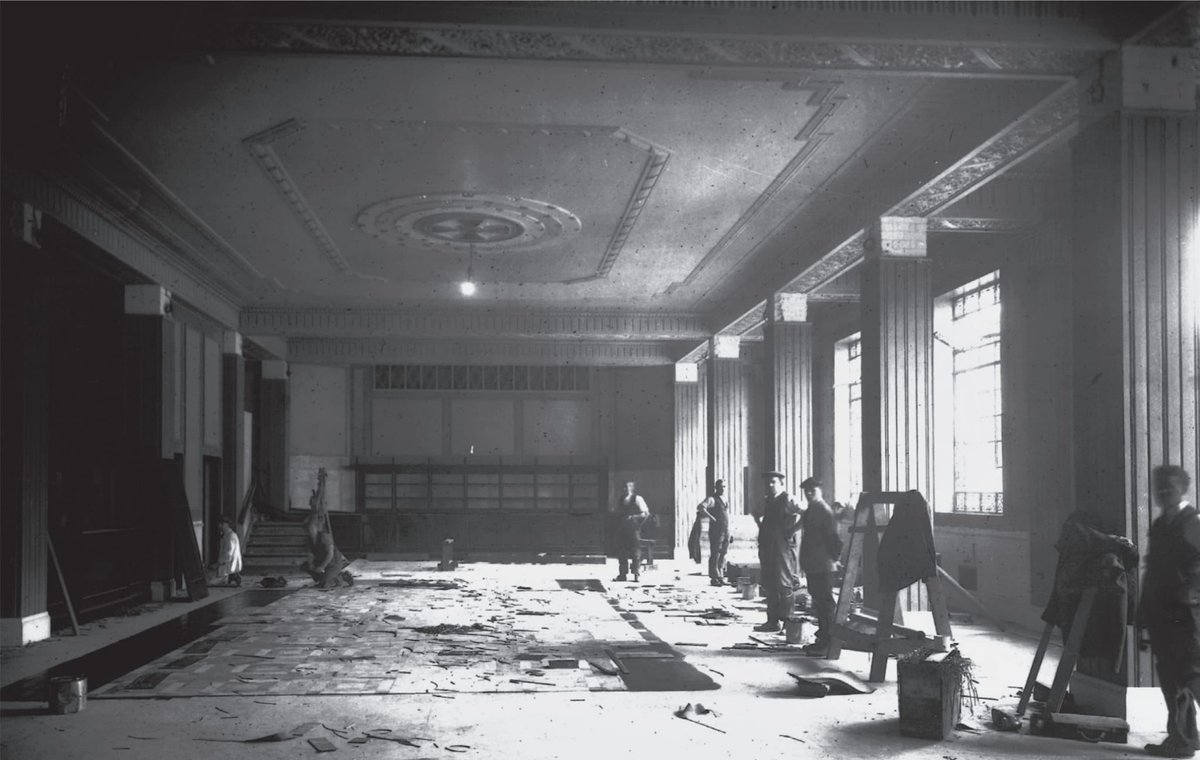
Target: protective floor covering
<point>414,633</point>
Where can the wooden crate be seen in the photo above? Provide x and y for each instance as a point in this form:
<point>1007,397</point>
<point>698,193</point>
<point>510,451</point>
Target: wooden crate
<point>930,692</point>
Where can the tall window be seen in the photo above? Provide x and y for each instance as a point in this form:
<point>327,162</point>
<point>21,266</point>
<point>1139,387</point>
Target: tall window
<point>847,371</point>
<point>974,340</point>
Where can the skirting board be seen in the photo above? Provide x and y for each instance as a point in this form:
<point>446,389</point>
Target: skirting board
<point>1141,706</point>
<point>26,630</point>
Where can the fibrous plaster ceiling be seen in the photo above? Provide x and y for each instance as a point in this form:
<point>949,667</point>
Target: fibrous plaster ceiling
<point>686,160</point>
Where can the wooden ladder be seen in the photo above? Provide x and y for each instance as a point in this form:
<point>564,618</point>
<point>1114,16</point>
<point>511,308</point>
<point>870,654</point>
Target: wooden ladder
<point>882,643</point>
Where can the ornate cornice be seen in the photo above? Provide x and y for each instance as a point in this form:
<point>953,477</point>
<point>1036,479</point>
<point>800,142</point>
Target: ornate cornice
<point>342,323</point>
<point>976,224</point>
<point>467,41</point>
<point>1046,122</point>
<point>401,351</point>
<point>810,138</point>
<point>87,217</point>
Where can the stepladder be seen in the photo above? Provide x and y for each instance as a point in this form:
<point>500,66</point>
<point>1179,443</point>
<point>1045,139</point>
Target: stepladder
<point>872,516</point>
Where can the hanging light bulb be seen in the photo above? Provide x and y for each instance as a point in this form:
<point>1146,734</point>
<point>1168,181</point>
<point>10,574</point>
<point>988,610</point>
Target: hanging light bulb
<point>467,286</point>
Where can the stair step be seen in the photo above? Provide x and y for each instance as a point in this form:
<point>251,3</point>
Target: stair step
<point>279,540</point>
<point>276,529</point>
<point>275,551</point>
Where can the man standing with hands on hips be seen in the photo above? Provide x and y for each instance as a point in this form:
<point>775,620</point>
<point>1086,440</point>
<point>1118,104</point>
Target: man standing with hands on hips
<point>777,552</point>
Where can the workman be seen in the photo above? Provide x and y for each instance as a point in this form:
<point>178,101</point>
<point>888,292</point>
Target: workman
<point>631,513</point>
<point>327,565</point>
<point>716,510</point>
<point>820,549</point>
<point>1170,608</point>
<point>777,551</point>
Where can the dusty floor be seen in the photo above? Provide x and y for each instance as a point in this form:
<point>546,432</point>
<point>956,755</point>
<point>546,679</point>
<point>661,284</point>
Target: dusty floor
<point>757,712</point>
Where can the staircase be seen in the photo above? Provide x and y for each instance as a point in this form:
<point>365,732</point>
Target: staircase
<point>275,548</point>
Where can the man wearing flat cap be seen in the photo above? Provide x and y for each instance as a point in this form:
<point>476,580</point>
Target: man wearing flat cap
<point>778,553</point>
<point>820,549</point>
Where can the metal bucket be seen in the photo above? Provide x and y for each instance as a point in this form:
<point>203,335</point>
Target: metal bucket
<point>748,588</point>
<point>68,694</point>
<point>793,630</point>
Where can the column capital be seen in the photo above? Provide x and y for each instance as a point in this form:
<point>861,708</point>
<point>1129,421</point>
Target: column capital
<point>725,347</point>
<point>687,372</point>
<point>147,300</point>
<point>232,343</point>
<point>274,370</point>
<point>1138,79</point>
<point>903,237</point>
<point>787,307</point>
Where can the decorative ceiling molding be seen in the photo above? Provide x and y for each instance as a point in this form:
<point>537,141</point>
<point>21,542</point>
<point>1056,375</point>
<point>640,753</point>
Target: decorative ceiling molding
<point>401,351</point>
<point>656,161</point>
<point>697,355</point>
<point>331,323</point>
<point>482,222</point>
<point>977,224</point>
<point>467,41</point>
<point>1046,121</point>
<point>747,322</point>
<point>1179,28</point>
<point>90,219</point>
<point>386,221</point>
<point>826,102</point>
<point>1043,124</point>
<point>261,149</point>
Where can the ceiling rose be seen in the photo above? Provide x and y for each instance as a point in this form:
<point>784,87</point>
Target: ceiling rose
<point>488,223</point>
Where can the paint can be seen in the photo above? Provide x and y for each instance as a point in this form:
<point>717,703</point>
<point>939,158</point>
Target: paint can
<point>793,630</point>
<point>68,694</point>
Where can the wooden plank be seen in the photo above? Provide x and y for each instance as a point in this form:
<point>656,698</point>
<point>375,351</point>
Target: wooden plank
<point>883,634</point>
<point>186,550</point>
<point>1066,663</point>
<point>1027,691</point>
<point>62,584</point>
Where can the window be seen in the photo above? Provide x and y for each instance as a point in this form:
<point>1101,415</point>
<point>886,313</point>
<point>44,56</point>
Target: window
<point>481,377</point>
<point>969,334</point>
<point>847,369</point>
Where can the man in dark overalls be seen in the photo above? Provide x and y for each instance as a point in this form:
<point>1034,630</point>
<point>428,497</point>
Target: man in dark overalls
<point>1170,608</point>
<point>632,513</point>
<point>777,552</point>
<point>717,512</point>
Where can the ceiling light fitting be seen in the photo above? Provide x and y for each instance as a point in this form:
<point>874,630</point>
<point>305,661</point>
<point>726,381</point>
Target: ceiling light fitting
<point>467,286</point>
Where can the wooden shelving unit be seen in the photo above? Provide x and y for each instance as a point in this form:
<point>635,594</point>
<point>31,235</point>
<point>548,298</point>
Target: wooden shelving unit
<point>486,508</point>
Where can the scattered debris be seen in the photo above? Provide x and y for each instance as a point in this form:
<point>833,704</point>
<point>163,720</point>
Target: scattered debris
<point>321,744</point>
<point>785,736</point>
<point>441,628</point>
<point>283,736</point>
<point>686,712</point>
<point>422,583</point>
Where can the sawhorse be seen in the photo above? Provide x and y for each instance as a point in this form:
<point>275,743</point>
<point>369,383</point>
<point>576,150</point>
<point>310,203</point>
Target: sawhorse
<point>881,643</point>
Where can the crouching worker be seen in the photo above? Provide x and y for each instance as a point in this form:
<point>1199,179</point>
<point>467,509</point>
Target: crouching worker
<point>229,562</point>
<point>328,565</point>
